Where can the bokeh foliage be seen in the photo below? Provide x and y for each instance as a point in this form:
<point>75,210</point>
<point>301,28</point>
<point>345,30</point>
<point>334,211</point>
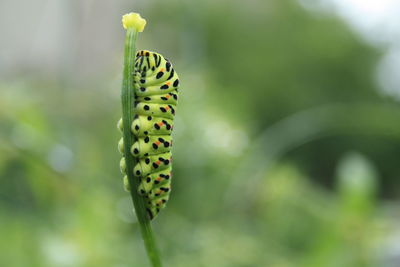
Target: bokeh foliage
<point>273,99</point>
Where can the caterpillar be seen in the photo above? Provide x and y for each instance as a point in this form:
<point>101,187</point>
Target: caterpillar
<point>156,93</point>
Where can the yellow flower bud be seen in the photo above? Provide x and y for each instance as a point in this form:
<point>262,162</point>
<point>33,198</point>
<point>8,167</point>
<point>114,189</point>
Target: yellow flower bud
<point>133,20</point>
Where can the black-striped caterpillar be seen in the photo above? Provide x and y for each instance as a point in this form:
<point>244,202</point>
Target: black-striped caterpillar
<point>156,94</point>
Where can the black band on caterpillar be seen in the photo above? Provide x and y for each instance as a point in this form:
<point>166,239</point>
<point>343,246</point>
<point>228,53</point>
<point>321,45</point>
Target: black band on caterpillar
<point>156,90</point>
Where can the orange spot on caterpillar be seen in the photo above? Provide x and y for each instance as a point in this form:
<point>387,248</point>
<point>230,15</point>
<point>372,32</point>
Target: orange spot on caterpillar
<point>158,142</point>
<point>162,69</point>
<point>167,108</point>
<point>161,123</point>
<point>158,162</point>
<point>167,96</point>
<point>168,83</point>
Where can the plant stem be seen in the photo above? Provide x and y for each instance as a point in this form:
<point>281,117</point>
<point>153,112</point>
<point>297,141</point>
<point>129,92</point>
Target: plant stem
<point>128,111</point>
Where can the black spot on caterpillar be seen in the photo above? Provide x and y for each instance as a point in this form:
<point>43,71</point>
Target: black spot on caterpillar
<point>156,93</point>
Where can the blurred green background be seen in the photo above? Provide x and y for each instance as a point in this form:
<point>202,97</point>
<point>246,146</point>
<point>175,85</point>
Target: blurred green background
<point>286,148</point>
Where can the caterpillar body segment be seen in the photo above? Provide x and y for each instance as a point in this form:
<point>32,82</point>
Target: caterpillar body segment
<point>154,145</point>
<point>156,94</point>
<point>144,126</point>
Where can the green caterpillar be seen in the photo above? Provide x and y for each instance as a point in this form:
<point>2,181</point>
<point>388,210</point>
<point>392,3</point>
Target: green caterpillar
<point>156,94</point>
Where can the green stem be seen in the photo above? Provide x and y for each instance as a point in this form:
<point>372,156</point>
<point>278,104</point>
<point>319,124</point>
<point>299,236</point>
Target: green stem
<point>128,110</point>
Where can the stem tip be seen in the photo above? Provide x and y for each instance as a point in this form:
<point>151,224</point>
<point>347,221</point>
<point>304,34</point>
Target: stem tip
<point>133,20</point>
